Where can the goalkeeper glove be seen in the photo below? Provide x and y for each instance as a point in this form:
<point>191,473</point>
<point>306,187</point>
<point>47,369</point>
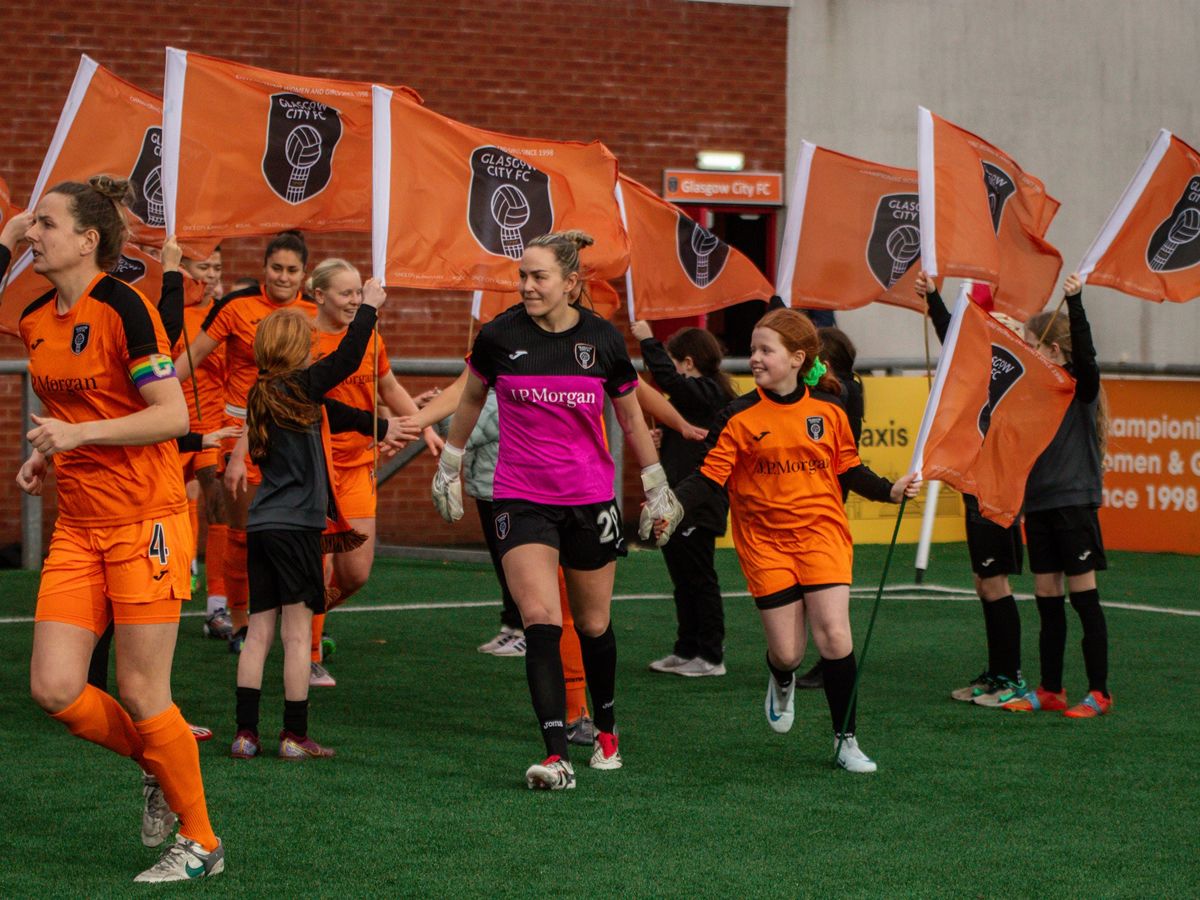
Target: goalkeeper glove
<point>661,503</point>
<point>447,486</point>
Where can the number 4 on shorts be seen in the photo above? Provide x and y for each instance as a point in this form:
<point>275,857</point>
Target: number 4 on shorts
<point>158,544</point>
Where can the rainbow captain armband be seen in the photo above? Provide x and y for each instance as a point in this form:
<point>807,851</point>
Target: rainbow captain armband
<point>155,367</point>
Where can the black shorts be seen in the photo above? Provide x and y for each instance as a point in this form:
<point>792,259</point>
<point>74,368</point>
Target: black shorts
<point>791,595</point>
<point>285,567</point>
<point>994,549</point>
<point>587,537</point>
<point>1065,540</point>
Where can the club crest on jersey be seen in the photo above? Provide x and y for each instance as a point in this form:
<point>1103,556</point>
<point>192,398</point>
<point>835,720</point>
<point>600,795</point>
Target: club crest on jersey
<point>1174,245</point>
<point>701,253</point>
<point>508,202</point>
<point>79,338</point>
<point>816,427</point>
<point>585,355</point>
<point>999,188</point>
<point>302,135</point>
<point>1006,372</point>
<point>146,180</point>
<point>128,269</point>
<point>503,524</point>
<point>895,241</point>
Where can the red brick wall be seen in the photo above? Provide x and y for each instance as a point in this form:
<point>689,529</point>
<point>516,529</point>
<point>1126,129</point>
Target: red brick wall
<point>655,80</point>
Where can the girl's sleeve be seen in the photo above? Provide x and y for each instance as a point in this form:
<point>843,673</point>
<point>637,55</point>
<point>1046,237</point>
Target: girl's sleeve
<point>687,394</point>
<point>938,314</point>
<point>170,306</point>
<point>707,483</point>
<point>332,370</point>
<point>1083,351</point>
<point>5,259</point>
<point>350,418</point>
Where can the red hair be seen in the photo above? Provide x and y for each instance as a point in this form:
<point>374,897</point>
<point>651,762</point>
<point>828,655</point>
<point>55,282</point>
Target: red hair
<point>797,332</point>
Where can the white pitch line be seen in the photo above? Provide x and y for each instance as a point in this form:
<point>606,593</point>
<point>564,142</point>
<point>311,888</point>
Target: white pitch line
<point>891,592</point>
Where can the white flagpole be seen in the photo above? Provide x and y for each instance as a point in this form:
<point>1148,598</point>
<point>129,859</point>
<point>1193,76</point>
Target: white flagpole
<point>629,299</point>
<point>926,194</point>
<point>939,378</point>
<point>381,178</point>
<point>1128,199</point>
<point>172,132</point>
<point>795,221</point>
<point>928,520</point>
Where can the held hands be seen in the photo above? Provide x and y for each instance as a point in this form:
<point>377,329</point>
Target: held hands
<point>640,330</point>
<point>662,512</point>
<point>31,474</point>
<point>374,294</point>
<point>908,486</point>
<point>433,441</point>
<point>1073,285</point>
<point>399,434</point>
<point>924,284</point>
<point>53,436</point>
<point>656,437</point>
<point>215,438</point>
<point>422,400</point>
<point>447,485</point>
<point>692,433</point>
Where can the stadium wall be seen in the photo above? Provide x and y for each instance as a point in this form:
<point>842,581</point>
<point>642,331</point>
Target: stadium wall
<point>655,80</point>
<point>1074,90</point>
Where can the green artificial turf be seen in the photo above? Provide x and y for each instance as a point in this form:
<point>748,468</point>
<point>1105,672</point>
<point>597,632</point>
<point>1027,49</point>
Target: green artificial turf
<point>426,796</point>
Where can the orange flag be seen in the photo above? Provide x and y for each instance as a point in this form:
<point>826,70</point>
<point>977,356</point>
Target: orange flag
<point>135,267</point>
<point>7,209</point>
<point>108,125</point>
<point>677,267</point>
<point>602,299</point>
<point>454,205</point>
<point>852,234</point>
<point>995,405</point>
<point>249,151</point>
<point>1150,245</point>
<point>987,217</point>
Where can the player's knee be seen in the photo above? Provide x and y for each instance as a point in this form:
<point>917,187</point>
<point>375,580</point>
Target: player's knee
<point>591,624</point>
<point>54,692</point>
<point>140,696</point>
<point>834,643</point>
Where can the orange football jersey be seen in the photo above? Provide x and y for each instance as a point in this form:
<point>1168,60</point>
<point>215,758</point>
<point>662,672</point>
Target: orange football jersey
<point>351,448</point>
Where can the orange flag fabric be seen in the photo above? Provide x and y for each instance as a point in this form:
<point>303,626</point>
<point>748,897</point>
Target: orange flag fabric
<point>7,209</point>
<point>986,217</point>
<point>1150,245</point>
<point>109,125</point>
<point>995,405</point>
<point>249,151</point>
<point>135,267</point>
<point>602,299</point>
<point>454,205</point>
<point>676,266</point>
<point>852,234</point>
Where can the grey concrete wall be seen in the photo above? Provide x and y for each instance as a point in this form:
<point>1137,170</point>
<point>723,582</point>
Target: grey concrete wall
<point>1074,90</point>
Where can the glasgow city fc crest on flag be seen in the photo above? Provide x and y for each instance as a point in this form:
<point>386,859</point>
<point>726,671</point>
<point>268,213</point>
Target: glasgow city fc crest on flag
<point>1174,244</point>
<point>1006,372</point>
<point>701,253</point>
<point>508,203</point>
<point>302,135</point>
<point>146,180</point>
<point>128,269</point>
<point>999,188</point>
<point>895,241</point>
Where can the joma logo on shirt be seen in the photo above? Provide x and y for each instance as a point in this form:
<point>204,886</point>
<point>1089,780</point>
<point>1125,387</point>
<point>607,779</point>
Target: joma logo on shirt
<point>789,466</point>
<point>570,399</point>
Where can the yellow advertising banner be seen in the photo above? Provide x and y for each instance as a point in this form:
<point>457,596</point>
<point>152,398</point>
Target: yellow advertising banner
<point>893,416</point>
<point>1152,466</point>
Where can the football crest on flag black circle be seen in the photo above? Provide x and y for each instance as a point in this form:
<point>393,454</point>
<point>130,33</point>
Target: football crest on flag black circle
<point>1174,245</point>
<point>128,269</point>
<point>302,136</point>
<point>701,253</point>
<point>146,180</point>
<point>79,337</point>
<point>1006,372</point>
<point>999,188</point>
<point>816,427</point>
<point>895,241</point>
<point>508,203</point>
